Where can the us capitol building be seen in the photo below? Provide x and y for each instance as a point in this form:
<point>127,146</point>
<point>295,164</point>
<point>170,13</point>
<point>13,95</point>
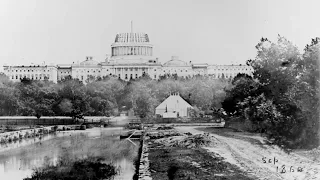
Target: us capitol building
<point>131,57</point>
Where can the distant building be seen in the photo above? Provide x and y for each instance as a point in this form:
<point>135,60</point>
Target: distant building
<point>33,72</point>
<point>131,57</point>
<point>174,106</point>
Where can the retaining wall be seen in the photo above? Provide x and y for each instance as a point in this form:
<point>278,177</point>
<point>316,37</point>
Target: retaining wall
<point>144,172</point>
<point>27,133</point>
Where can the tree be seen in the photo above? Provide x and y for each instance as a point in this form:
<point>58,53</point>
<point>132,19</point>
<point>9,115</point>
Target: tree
<point>282,73</point>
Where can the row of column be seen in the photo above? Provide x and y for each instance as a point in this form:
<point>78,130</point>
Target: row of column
<point>129,50</point>
<point>122,72</point>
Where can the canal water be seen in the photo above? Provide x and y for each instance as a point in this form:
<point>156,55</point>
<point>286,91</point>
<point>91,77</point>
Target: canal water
<point>18,159</point>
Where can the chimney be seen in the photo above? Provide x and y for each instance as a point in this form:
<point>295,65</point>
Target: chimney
<point>87,58</point>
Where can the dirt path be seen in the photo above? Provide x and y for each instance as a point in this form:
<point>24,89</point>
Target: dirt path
<point>253,156</point>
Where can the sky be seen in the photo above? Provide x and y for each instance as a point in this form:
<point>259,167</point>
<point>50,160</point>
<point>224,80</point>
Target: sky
<point>202,31</point>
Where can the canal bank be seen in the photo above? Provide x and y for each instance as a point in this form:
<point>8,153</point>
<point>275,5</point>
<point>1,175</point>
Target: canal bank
<point>182,155</point>
<point>9,137</point>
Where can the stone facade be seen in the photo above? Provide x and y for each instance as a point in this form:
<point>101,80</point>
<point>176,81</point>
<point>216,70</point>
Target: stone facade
<point>131,57</point>
<point>34,72</point>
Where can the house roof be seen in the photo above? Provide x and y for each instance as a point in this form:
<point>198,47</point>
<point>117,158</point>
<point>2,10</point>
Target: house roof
<point>173,102</point>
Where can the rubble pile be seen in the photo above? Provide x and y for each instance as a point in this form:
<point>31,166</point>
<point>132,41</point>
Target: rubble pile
<point>164,128</point>
<point>162,134</point>
<point>188,141</point>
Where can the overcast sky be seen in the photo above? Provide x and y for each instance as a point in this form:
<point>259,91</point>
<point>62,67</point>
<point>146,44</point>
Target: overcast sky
<point>202,31</point>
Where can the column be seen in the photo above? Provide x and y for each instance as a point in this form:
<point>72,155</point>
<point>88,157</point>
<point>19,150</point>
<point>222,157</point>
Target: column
<point>121,70</point>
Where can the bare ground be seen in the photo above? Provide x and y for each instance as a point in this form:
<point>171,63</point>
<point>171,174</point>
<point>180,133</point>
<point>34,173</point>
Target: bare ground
<point>181,163</point>
<point>251,153</point>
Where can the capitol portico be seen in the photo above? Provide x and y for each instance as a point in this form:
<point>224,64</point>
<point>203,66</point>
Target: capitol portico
<point>131,57</point>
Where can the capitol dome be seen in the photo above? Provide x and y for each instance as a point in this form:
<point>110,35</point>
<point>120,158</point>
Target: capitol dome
<point>89,62</point>
<point>128,45</point>
<point>175,62</point>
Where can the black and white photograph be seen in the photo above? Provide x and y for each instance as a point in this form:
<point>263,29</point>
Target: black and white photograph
<point>159,90</point>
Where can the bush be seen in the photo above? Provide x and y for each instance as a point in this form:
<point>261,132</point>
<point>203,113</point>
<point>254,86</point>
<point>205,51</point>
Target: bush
<point>81,169</point>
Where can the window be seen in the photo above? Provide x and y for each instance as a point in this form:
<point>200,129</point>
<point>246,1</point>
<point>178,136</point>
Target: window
<point>130,76</point>
<point>126,76</point>
<point>155,76</point>
<point>16,77</point>
<point>136,75</point>
<point>119,75</point>
<point>16,70</point>
<point>28,70</point>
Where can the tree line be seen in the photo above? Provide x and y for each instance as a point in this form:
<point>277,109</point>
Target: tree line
<point>106,96</point>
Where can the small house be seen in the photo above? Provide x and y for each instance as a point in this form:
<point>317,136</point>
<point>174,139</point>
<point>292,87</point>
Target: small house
<point>174,106</point>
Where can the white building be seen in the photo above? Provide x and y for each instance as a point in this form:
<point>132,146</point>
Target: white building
<point>174,106</point>
<point>131,57</point>
<point>33,72</point>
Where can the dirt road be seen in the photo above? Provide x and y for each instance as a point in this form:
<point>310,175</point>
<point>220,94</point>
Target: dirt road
<point>252,155</point>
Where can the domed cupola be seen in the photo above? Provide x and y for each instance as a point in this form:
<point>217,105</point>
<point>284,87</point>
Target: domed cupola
<point>174,62</point>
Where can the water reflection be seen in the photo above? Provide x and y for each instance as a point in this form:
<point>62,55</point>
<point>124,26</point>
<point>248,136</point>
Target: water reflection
<point>18,159</point>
